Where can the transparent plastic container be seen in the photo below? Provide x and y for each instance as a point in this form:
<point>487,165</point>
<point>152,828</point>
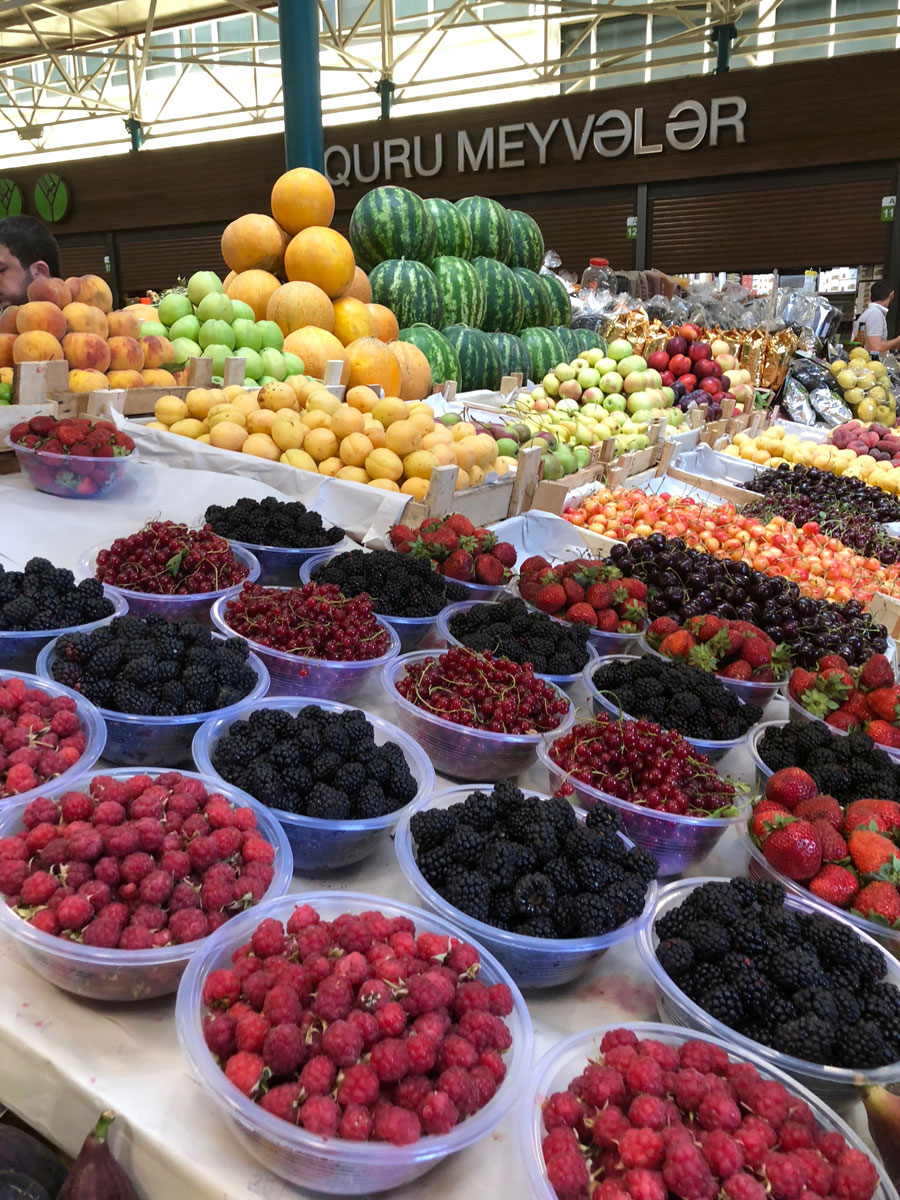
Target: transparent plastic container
<point>714,750</point>
<point>749,691</point>
<point>676,842</point>
<point>565,1062</point>
<point>753,739</point>
<point>280,566</point>
<point>134,739</point>
<point>835,1085</point>
<point>44,471</point>
<point>598,276</point>
<point>533,962</point>
<point>457,750</point>
<point>94,732</point>
<point>798,714</point>
<point>562,681</point>
<point>296,675</point>
<point>333,1166</point>
<point>123,975</point>
<point>604,643</point>
<point>173,608</point>
<point>19,649</point>
<point>320,845</point>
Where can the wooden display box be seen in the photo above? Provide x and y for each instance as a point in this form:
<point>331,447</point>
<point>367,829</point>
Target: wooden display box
<point>484,504</point>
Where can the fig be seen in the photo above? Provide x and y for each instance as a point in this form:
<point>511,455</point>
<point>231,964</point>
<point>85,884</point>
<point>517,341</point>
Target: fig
<point>95,1174</point>
<point>21,1152</point>
<point>883,1113</point>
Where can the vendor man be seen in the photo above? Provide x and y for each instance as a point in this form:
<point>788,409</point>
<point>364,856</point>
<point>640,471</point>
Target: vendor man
<point>27,249</point>
<point>874,318</point>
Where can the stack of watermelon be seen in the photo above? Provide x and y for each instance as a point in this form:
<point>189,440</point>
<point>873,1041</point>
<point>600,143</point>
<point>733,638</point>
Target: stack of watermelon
<point>463,282</point>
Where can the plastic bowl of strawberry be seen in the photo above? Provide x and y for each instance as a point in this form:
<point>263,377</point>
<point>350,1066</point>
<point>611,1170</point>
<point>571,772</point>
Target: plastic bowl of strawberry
<point>171,570</point>
<point>609,1079</point>
<point>77,459</point>
<point>447,703</point>
<point>265,750</point>
<point>673,801</point>
<point>153,863</point>
<point>48,735</point>
<point>418,1081</point>
<point>825,1005</point>
<point>849,699</point>
<point>460,551</point>
<point>547,921</point>
<point>313,640</point>
<point>280,534</point>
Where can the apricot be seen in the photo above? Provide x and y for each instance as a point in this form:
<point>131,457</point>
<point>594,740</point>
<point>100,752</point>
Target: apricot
<point>84,318</point>
<point>36,346</point>
<point>385,485</point>
<point>8,319</point>
<point>353,474</point>
<point>7,341</point>
<point>124,324</point>
<point>346,420</point>
<point>125,354</point>
<point>46,287</point>
<point>228,435</point>
<point>278,395</point>
<point>41,315</point>
<point>91,289</point>
<point>86,351</point>
<point>87,381</point>
<point>157,350</point>
<point>362,397</point>
<point>260,445</point>
<point>299,459</point>
<point>355,449</point>
<point>320,444</point>
<point>125,379</point>
<point>330,466</point>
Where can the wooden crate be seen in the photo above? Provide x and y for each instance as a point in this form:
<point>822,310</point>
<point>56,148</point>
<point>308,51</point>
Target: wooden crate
<point>716,487</point>
<point>484,504</point>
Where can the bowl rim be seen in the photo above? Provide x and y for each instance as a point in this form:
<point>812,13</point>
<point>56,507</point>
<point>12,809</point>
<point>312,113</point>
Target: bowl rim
<point>753,737</point>
<point>317,560</point>
<point>98,956</point>
<point>217,613</point>
<point>403,842</point>
<point>132,454</point>
<point>87,565</point>
<point>118,600</point>
<point>774,688</point>
<point>218,726</point>
<point>388,674</point>
<point>430,1147</point>
<point>824,1073</point>
<point>306,552</point>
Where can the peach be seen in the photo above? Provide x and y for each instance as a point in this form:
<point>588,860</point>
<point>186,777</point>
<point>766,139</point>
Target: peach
<point>91,289</point>
<point>41,315</point>
<point>8,319</point>
<point>124,324</point>
<point>86,351</point>
<point>143,312</point>
<point>36,345</point>
<point>84,318</point>
<point>125,354</point>
<point>87,381</point>
<point>125,379</point>
<point>6,349</point>
<point>55,291</point>
<point>157,378</point>
<point>157,350</point>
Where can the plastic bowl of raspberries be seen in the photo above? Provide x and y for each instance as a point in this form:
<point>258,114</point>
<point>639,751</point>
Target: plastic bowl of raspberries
<point>559,1164</point>
<point>98,967</point>
<point>19,648</point>
<point>29,768</point>
<point>462,751</point>
<point>835,1085</point>
<point>532,961</point>
<point>134,739</point>
<point>77,459</point>
<point>357,1144</point>
<point>320,843</point>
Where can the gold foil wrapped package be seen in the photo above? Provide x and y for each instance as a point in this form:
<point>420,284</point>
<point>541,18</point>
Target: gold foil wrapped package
<point>779,351</point>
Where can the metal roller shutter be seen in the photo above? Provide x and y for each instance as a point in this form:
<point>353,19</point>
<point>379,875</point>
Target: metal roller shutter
<point>77,257</point>
<point>157,259</point>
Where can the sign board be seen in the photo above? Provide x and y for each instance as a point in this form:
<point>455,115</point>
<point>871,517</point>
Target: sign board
<point>631,228</point>
<point>888,204</point>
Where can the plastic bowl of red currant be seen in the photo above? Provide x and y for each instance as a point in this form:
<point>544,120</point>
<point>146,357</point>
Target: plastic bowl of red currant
<point>673,801</point>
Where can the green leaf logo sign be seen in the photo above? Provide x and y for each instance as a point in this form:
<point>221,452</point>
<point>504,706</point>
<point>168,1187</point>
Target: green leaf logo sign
<point>51,197</point>
<point>11,199</point>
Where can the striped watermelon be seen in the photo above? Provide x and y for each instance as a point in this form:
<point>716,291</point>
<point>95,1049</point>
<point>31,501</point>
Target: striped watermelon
<point>568,339</point>
<point>527,240</point>
<point>442,358</point>
<point>391,222</point>
<point>452,233</point>
<point>462,291</point>
<point>588,340</point>
<point>545,348</point>
<point>535,297</point>
<point>514,354</point>
<point>479,360</point>
<point>504,305</point>
<point>560,304</point>
<point>489,222</point>
<point>409,290</point>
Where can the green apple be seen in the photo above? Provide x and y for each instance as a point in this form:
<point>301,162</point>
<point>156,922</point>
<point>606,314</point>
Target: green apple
<point>264,379</point>
<point>619,349</point>
<point>633,362</point>
<point>638,402</point>
<point>251,384</point>
<point>272,337</point>
<point>215,307</point>
<point>253,363</point>
<point>172,307</point>
<point>668,397</point>
<point>508,447</point>
<point>184,348</point>
<point>611,383</point>
<point>588,377</point>
<point>563,371</point>
<point>635,381</point>
<point>216,333</point>
<point>593,355</point>
<point>242,311</point>
<point>247,333</point>
<point>550,384</point>
<point>218,352</point>
<point>539,393</point>
<point>293,364</point>
<point>201,283</point>
<point>582,456</point>
<point>614,403</point>
<point>654,379</point>
<point>449,419</point>
<point>154,328</point>
<point>185,327</point>
<point>674,416</point>
<point>273,363</point>
<point>604,365</point>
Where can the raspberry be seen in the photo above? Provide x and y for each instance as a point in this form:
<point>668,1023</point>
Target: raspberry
<point>478,1028</point>
<point>255,849</point>
<point>268,938</point>
<point>245,1071</point>
<point>422,1051</point>
<point>744,1187</point>
<point>136,866</point>
<point>855,1177</point>
<point>411,1092</point>
<point>831,1145</point>
<point>356,1124</point>
<point>107,870</point>
<point>620,1058</point>
<point>251,1032</point>
<point>341,1041</point>
<point>458,1086</point>
<point>786,1175</point>
<point>743,1077</point>
<point>438,1113</point>
<point>156,887</point>
<point>756,1138</point>
<point>46,922</point>
<point>641,1148</point>
<point>354,967</point>
<point>610,1125</point>
<point>282,1101</point>
<point>282,1006</point>
<point>39,812</point>
<point>228,841</point>
<point>38,888</point>
<point>484,1083</point>
<point>188,925</point>
<point>108,812</point>
<point>203,852</point>
<point>317,1076</point>
<point>333,999</point>
<point>689,1089</point>
<point>396,1125</point>
<point>666,1056</point>
<point>645,1185</point>
<point>108,934</point>
<point>557,1140</point>
<point>794,1136</point>
<point>374,994</point>
<point>389,1060</point>
<point>647,1111</point>
<point>75,806</point>
<point>619,1037</point>
<point>365,1023</point>
<point>74,912</point>
<point>13,873</point>
<point>567,1173</point>
<point>609,1190</point>
<point>149,916</point>
<point>455,1051</point>
<point>391,1019</point>
<point>359,1086</point>
<point>284,1049</point>
<point>494,1063</point>
<point>218,1033</point>
<point>645,1075</point>
<point>351,933</point>
<point>19,778</point>
<point>819,1172</point>
<point>769,1100</point>
<point>463,959</point>
<point>723,1154</point>
<point>216,895</point>
<point>718,1111</point>
<point>432,1025</point>
<point>319,1114</point>
<point>686,1173</point>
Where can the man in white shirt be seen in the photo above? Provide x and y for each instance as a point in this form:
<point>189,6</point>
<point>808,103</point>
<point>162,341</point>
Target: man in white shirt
<point>875,318</point>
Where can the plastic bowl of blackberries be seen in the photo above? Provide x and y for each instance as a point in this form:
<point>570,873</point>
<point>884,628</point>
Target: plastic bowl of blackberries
<point>776,974</point>
<point>694,703</point>
<point>407,593</point>
<point>41,603</point>
<point>280,534</point>
<point>848,768</point>
<point>685,582</point>
<point>155,682</point>
<point>335,777</point>
<point>545,889</point>
<point>750,691</point>
<point>558,651</point>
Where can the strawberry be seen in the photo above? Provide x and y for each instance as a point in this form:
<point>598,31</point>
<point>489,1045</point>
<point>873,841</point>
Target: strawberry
<point>582,613</point>
<point>430,525</point>
<point>401,533</point>
<point>882,816</point>
<point>789,786</point>
<point>460,525</point>
<point>607,620</point>
<point>705,627</point>
<point>599,595</point>
<point>737,670</point>
<point>800,681</point>
<point>822,808</point>
<point>763,675</point>
<point>551,598</point>
<point>443,541</point>
<point>489,569</point>
<point>765,819</point>
<point>535,563</point>
<point>634,611</point>
<point>845,721</point>
<point>794,850</point>
<point>885,702</point>
<point>877,673</point>
<point>727,642</point>
<point>879,902</point>
<point>858,704</point>
<point>86,487</point>
<point>755,652</point>
<point>484,540</point>
<point>874,856</point>
<point>659,629</point>
<point>574,591</point>
<point>457,565</point>
<point>833,662</point>
<point>636,588</point>
<point>884,733</point>
<point>506,553</point>
<point>677,645</point>
<point>529,588</point>
<point>834,848</point>
<point>835,885</point>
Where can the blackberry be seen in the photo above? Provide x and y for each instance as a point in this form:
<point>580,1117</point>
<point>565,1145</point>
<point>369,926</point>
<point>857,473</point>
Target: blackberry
<point>518,819</point>
<point>561,815</point>
<point>592,916</point>
<point>465,845</point>
<point>769,892</point>
<point>749,937</point>
<point>468,891</point>
<point>605,818</point>
<point>723,1004</point>
<point>817,1001</point>
<point>782,926</point>
<point>754,990</point>
<point>594,875</point>
<point>350,778</point>
<point>672,923</point>
<point>128,698</point>
<point>562,876</point>
<point>434,864</point>
<point>541,837</point>
<point>675,956</point>
<point>533,896</point>
<point>808,1037</point>
<point>370,802</point>
<point>325,766</point>
<point>480,811</point>
<point>510,628</point>
<point>431,826</point>
<point>272,522</point>
<point>541,926</point>
<point>716,901</point>
<point>702,977</point>
<point>584,843</point>
<point>883,1003</point>
<point>641,863</point>
<point>778,1011</point>
<point>709,941</point>
<point>566,915</point>
<point>794,969</point>
<point>500,863</point>
<point>400,585</point>
<point>848,1007</point>
<point>502,913</point>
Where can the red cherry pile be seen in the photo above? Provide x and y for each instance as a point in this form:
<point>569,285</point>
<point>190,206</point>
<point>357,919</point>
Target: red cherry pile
<point>40,737</point>
<point>135,864</point>
<point>80,438</point>
<point>647,1121</point>
<point>644,764</point>
<point>357,1028</point>
<point>169,559</point>
<point>480,691</point>
<point>315,620</point>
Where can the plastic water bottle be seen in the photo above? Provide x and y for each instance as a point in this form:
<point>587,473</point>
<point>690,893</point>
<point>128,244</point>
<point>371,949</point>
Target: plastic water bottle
<point>598,276</point>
